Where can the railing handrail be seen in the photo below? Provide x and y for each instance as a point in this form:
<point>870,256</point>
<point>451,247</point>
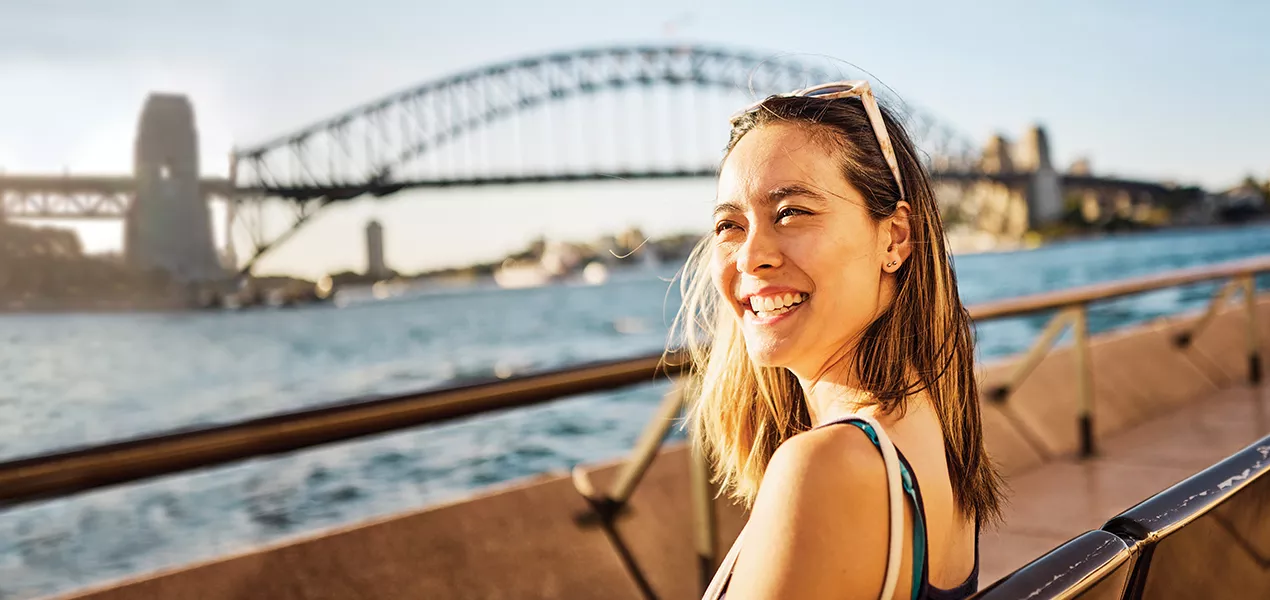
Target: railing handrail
<point>91,467</point>
<point>1032,303</point>
<point>79,469</point>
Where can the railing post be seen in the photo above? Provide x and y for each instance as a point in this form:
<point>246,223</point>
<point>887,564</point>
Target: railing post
<point>1254,337</point>
<point>607,507</point>
<point>1084,381</point>
<point>1040,348</point>
<point>649,443</point>
<point>1184,338</point>
<point>705,528</point>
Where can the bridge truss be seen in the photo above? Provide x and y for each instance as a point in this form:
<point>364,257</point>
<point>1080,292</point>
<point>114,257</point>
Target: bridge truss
<point>79,197</point>
<point>590,115</point>
<point>64,205</point>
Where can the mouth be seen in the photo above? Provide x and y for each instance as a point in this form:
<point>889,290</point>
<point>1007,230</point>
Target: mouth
<point>765,311</point>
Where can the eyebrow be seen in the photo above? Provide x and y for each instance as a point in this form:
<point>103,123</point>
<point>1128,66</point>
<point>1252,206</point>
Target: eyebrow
<point>772,197</point>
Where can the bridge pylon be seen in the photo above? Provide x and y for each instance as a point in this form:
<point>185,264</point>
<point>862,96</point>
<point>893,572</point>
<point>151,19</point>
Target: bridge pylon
<point>168,226</point>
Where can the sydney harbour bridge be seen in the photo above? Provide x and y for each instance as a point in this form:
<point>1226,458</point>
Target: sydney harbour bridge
<point>607,114</point>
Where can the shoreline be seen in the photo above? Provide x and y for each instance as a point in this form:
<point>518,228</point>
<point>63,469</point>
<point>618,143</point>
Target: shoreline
<point>51,306</point>
<point>963,244</point>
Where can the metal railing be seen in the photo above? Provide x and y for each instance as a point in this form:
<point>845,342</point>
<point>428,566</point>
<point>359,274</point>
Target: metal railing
<point>1072,305</point>
<point>1123,558</point>
<point>92,467</point>
<point>110,464</point>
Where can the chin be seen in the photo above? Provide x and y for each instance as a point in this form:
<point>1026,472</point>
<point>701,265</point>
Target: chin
<point>766,355</point>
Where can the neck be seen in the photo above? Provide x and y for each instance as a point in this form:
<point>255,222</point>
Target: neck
<point>833,389</point>
<point>834,394</point>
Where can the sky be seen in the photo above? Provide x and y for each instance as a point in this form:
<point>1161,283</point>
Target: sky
<point>1150,90</point>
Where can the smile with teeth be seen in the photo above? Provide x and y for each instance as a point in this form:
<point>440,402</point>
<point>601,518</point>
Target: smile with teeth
<point>770,306</point>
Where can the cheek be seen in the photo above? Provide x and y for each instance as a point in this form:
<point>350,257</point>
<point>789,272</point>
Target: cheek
<point>829,262</point>
<point>722,272</point>
<point>846,277</point>
<point>855,288</point>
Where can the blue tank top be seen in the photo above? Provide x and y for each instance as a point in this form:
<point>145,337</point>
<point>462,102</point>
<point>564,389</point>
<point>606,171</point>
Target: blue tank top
<point>921,587</point>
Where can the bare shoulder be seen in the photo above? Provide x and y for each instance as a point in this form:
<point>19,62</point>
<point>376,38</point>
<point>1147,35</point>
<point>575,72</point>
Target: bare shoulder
<point>819,525</point>
<point>833,473</point>
<point>832,456</point>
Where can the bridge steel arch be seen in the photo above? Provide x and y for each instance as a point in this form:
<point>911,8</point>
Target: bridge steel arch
<point>363,151</point>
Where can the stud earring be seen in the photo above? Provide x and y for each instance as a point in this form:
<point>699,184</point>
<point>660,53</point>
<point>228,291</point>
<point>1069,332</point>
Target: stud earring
<point>892,263</point>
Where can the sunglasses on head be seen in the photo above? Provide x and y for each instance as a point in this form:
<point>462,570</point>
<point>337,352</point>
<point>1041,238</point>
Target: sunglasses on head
<point>847,89</point>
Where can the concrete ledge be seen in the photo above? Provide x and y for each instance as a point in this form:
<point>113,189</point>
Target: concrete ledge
<point>533,540</point>
<point>513,543</point>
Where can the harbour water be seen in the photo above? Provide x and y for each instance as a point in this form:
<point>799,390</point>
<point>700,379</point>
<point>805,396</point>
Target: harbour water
<point>73,380</point>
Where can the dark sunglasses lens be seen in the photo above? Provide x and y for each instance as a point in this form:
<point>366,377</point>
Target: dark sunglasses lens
<point>831,90</point>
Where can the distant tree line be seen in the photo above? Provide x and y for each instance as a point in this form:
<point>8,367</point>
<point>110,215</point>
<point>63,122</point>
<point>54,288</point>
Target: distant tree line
<point>47,268</point>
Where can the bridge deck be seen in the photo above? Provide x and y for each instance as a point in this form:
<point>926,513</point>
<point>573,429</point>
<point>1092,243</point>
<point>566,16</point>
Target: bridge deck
<point>1058,500</point>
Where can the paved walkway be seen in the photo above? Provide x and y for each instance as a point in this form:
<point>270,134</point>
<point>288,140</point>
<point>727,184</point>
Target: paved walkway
<point>1058,500</point>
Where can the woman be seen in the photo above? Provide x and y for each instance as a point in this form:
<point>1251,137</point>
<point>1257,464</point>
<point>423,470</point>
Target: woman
<point>833,360</point>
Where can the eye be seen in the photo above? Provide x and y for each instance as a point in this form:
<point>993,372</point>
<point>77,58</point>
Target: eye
<point>724,226</point>
<point>789,211</point>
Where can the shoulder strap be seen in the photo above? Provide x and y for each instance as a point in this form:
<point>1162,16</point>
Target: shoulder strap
<point>895,497</point>
<point>721,577</point>
<point>896,467</point>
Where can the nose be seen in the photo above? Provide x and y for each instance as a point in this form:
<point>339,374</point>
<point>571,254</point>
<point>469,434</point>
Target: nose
<point>760,251</point>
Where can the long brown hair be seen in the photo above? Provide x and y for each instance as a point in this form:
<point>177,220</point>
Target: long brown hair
<point>921,342</point>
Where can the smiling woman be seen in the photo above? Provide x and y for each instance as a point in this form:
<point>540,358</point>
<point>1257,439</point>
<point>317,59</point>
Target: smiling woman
<point>824,296</point>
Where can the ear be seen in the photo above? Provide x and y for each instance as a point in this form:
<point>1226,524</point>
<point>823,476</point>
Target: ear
<point>897,232</point>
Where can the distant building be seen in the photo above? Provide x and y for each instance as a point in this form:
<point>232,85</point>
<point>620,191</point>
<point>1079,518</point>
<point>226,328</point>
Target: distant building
<point>996,158</point>
<point>1239,203</point>
<point>631,238</point>
<point>560,257</point>
<point>375,266</point>
<point>636,248</point>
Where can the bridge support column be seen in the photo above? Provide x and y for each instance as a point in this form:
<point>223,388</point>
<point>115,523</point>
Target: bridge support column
<point>1045,191</point>
<point>168,227</point>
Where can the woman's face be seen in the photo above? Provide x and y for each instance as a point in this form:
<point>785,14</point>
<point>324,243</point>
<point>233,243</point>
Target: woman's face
<point>788,227</point>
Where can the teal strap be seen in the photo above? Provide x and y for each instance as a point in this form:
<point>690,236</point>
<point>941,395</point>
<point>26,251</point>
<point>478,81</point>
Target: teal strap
<point>919,522</point>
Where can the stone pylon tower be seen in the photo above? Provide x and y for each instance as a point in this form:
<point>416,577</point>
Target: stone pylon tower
<point>168,226</point>
<point>1045,191</point>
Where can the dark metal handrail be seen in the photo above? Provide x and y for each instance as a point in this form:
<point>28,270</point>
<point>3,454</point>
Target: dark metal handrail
<point>91,467</point>
<point>1033,303</point>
